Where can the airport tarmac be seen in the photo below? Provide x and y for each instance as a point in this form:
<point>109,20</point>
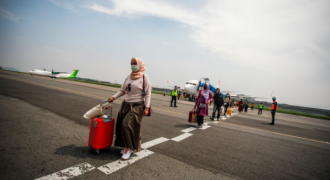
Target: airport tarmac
<point>44,135</point>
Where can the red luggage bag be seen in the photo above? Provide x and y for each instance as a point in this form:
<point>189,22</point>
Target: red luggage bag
<point>101,132</point>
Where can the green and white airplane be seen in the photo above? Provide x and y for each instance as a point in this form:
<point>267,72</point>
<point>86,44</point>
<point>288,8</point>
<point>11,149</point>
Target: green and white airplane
<point>54,74</point>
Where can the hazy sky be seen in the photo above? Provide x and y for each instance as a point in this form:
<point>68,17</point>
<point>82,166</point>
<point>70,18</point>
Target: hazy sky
<point>254,47</point>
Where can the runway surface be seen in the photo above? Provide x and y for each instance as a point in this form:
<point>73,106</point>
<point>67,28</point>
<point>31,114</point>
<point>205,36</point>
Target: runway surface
<point>44,135</point>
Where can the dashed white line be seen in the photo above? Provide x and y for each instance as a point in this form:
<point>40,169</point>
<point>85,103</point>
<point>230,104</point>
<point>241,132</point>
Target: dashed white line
<point>116,165</point>
<point>154,142</point>
<point>188,129</point>
<point>181,137</point>
<point>205,127</point>
<point>69,173</point>
<point>82,168</point>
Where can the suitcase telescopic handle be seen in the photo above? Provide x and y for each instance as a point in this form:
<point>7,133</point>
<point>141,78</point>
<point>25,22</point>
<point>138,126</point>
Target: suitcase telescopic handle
<point>109,118</point>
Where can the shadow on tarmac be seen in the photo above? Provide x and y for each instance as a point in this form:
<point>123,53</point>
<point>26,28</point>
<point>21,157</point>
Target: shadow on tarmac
<point>185,125</point>
<point>85,152</point>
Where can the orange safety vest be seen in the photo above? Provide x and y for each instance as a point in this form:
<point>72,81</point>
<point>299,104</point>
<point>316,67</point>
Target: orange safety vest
<point>273,105</point>
<point>252,105</point>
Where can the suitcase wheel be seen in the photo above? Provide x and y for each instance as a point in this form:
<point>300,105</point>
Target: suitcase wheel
<point>94,150</point>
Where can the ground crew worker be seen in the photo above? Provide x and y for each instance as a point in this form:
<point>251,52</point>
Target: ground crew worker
<point>274,109</point>
<point>261,106</point>
<point>252,105</point>
<point>174,94</point>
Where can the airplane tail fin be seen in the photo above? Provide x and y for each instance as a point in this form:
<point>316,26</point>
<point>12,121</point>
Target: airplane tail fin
<point>218,85</point>
<point>74,74</point>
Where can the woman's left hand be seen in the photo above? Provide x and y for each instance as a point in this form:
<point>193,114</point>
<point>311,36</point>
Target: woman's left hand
<point>146,111</point>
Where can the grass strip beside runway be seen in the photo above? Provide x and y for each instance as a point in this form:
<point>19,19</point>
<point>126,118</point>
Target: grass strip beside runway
<point>168,94</point>
<point>299,113</point>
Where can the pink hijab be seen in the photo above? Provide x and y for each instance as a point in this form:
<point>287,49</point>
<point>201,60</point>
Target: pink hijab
<point>141,65</point>
<point>206,92</point>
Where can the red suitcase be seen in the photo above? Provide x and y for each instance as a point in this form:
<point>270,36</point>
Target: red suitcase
<point>101,132</point>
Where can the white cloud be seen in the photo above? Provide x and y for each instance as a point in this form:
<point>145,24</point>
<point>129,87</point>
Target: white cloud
<point>64,4</point>
<point>8,15</point>
<point>265,35</point>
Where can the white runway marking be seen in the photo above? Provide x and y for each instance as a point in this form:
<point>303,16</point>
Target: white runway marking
<point>154,142</point>
<point>115,166</point>
<point>70,172</point>
<point>188,129</point>
<point>205,127</point>
<point>181,137</point>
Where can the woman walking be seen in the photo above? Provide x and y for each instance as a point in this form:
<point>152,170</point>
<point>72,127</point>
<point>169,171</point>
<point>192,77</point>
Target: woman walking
<point>226,102</point>
<point>240,106</point>
<point>133,108</point>
<point>204,98</point>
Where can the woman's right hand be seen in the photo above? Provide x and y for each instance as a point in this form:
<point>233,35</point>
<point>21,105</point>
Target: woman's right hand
<point>111,99</point>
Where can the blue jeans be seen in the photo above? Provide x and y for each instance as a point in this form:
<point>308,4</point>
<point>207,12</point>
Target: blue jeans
<point>215,110</point>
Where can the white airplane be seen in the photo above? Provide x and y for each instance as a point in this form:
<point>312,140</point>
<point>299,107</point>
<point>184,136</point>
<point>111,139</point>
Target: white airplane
<point>54,74</point>
<point>193,87</point>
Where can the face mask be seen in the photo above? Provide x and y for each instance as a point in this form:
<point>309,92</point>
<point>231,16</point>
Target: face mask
<point>135,68</point>
<point>205,87</point>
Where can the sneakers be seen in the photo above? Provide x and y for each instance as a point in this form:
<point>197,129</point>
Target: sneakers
<point>127,154</point>
<point>211,118</point>
<point>198,126</point>
<point>122,151</point>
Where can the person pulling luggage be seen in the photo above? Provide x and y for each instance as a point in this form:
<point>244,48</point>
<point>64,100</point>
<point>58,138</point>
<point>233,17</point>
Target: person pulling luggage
<point>274,109</point>
<point>203,100</point>
<point>133,108</point>
<point>218,103</point>
<point>226,102</point>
